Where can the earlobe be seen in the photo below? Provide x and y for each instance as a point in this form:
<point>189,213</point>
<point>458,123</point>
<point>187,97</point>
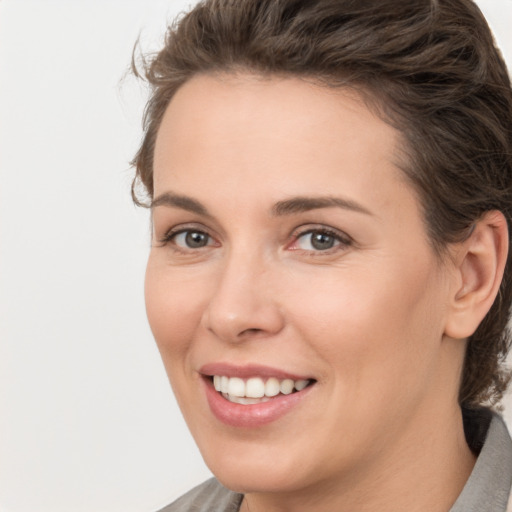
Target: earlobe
<point>480,262</point>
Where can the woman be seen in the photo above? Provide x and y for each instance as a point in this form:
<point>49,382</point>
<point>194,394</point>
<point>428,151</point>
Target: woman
<point>329,282</point>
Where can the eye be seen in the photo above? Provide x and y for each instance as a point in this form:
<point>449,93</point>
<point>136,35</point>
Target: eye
<point>192,239</point>
<point>189,239</point>
<point>318,240</point>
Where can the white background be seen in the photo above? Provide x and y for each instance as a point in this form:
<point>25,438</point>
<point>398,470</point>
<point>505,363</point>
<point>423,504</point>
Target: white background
<point>87,419</point>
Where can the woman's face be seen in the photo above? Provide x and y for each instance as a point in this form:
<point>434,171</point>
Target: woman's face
<point>289,251</point>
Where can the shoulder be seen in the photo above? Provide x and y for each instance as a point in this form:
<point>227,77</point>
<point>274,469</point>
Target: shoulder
<point>210,495</point>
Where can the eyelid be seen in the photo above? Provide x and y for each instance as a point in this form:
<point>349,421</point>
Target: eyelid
<point>171,233</point>
<point>342,237</point>
<point>344,240</point>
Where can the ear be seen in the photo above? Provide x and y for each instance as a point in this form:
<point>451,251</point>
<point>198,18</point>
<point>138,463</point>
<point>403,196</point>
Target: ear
<point>480,262</point>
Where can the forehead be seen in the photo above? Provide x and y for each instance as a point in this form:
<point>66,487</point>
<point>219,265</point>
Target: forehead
<point>276,135</point>
<point>284,106</point>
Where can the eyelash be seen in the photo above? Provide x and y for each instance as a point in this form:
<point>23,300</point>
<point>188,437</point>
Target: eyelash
<point>171,235</point>
<point>341,240</point>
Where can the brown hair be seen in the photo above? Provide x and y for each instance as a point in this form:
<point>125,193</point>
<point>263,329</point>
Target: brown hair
<point>433,70</point>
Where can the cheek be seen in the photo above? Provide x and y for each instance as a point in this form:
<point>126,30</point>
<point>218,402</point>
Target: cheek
<point>173,309</point>
<point>373,326</point>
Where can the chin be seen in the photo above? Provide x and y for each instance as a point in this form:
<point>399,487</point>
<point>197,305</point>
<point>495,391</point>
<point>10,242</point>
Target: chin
<point>255,479</point>
<point>256,468</point>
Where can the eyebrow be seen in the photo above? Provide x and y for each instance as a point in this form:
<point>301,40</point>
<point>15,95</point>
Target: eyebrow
<point>290,206</point>
<point>303,204</point>
<point>182,202</point>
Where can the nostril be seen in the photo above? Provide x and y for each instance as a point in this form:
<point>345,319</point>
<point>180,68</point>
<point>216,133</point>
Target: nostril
<point>251,331</point>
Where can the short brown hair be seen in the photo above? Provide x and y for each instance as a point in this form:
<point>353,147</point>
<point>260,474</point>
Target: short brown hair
<point>435,74</point>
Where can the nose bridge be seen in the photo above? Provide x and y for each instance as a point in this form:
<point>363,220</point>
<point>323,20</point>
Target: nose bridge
<point>242,303</point>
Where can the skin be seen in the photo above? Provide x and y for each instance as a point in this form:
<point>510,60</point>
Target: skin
<point>367,319</point>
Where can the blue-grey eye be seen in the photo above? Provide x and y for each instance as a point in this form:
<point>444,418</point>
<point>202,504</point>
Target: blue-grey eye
<point>317,241</point>
<point>192,239</point>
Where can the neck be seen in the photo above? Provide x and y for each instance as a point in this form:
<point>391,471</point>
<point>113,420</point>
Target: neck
<point>426,469</point>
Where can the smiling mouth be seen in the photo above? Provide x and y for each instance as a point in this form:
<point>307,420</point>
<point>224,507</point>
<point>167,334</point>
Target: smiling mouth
<point>256,390</point>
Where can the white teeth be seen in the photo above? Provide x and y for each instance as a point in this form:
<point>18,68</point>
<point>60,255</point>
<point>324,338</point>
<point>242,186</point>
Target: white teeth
<point>236,387</point>
<point>300,384</point>
<point>272,387</point>
<point>286,386</point>
<point>246,401</point>
<point>255,389</point>
<point>224,384</point>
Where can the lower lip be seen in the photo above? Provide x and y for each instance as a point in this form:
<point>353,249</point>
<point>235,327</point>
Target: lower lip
<point>254,415</point>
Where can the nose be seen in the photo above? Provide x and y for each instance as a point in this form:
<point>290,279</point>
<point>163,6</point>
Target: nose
<point>243,304</point>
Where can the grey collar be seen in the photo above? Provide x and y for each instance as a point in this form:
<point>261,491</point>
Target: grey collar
<point>488,487</point>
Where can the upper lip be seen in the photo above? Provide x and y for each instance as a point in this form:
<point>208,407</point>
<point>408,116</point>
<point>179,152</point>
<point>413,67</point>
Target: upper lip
<point>248,370</point>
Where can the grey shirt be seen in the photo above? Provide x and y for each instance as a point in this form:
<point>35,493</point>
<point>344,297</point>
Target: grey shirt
<point>487,489</point>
